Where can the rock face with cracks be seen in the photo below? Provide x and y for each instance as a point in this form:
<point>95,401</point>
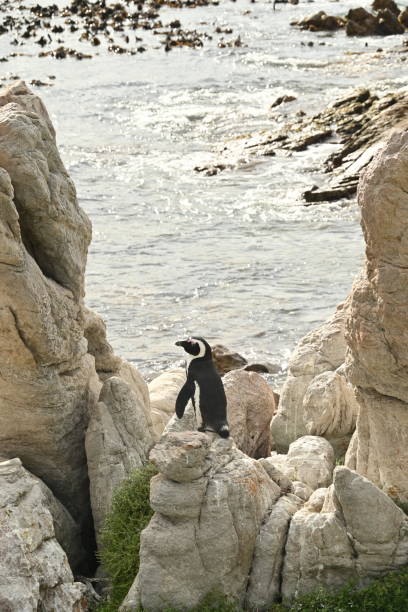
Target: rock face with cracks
<point>377,326</point>
<point>45,369</point>
<point>34,569</point>
<point>54,355</point>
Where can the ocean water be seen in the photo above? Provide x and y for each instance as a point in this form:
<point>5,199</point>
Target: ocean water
<point>235,257</point>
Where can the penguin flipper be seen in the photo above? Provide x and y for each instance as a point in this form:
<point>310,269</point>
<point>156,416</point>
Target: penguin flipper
<point>186,392</point>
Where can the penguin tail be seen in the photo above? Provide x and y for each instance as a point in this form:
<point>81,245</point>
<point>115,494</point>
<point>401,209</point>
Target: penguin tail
<point>224,431</point>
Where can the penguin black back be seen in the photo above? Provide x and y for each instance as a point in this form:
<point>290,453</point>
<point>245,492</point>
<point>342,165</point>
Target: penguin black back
<point>202,377</point>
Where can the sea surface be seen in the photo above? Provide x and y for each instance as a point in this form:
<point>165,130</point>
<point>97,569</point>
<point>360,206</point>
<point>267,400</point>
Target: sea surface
<point>236,257</point>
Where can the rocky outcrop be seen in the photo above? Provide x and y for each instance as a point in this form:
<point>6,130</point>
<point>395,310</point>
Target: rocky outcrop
<point>45,369</point>
<point>34,570</point>
<point>322,350</point>
<point>320,22</point>
<point>54,355</point>
<point>118,441</point>
<point>209,500</point>
<point>358,534</point>
<point>251,405</point>
<point>377,326</point>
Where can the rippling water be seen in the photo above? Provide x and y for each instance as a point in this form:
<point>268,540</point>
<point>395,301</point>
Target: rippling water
<point>235,257</point>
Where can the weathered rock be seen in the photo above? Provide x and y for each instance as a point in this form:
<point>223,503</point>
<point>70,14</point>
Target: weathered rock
<point>34,570</point>
<point>118,441</point>
<point>264,583</point>
<point>163,391</point>
<point>359,534</point>
<point>310,459</point>
<point>226,360</point>
<point>320,351</point>
<point>377,326</point>
<point>330,409</point>
<point>250,405</point>
<point>403,17</point>
<point>45,371</point>
<point>209,506</point>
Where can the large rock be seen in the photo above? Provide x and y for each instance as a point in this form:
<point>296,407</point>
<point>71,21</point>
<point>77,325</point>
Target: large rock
<point>34,570</point>
<point>322,350</point>
<point>358,534</point>
<point>45,371</point>
<point>226,360</point>
<point>250,405</point>
<point>310,460</point>
<point>209,500</point>
<point>118,441</point>
<point>377,327</point>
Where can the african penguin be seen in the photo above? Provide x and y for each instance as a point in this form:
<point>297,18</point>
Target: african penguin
<point>204,387</point>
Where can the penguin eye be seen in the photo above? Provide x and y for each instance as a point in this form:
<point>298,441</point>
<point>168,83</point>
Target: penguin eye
<point>192,341</point>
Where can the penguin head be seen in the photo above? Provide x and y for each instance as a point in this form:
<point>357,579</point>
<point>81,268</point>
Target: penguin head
<point>197,347</point>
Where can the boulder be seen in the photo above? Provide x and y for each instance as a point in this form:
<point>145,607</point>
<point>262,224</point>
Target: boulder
<point>106,363</point>
<point>320,351</point>
<point>358,534</point>
<point>377,325</point>
<point>226,360</point>
<point>330,409</point>
<point>163,391</point>
<point>209,500</point>
<point>34,569</point>
<point>118,441</point>
<point>250,405</point>
<point>310,460</point>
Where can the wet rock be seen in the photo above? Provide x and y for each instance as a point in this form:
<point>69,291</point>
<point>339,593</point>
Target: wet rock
<point>226,360</point>
<point>283,100</point>
<point>388,24</point>
<point>34,570</point>
<point>250,406</point>
<point>403,17</point>
<point>379,5</point>
<point>321,22</point>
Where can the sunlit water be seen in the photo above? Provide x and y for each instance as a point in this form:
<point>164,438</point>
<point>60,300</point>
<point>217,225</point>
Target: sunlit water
<point>236,258</point>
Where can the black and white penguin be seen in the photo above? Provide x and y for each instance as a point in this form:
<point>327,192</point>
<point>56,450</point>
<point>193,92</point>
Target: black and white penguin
<point>204,387</point>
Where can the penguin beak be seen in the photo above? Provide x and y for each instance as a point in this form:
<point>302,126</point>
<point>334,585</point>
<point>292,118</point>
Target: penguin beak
<point>179,343</point>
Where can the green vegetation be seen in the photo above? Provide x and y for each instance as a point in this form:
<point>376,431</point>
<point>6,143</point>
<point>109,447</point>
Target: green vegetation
<point>130,514</point>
